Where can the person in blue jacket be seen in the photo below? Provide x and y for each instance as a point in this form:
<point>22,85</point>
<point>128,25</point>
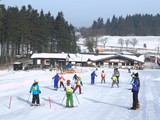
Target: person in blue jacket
<point>56,80</point>
<point>93,75</point>
<point>135,90</point>
<point>35,91</point>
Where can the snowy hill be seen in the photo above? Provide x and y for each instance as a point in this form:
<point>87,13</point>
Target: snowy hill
<point>152,42</point>
<point>98,101</point>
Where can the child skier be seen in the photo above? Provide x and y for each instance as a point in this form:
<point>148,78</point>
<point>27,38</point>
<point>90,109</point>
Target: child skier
<point>135,90</point>
<point>56,79</point>
<point>35,92</point>
<point>114,80</point>
<point>69,92</point>
<point>61,79</point>
<point>75,78</point>
<point>78,85</point>
<point>93,75</point>
<point>103,75</point>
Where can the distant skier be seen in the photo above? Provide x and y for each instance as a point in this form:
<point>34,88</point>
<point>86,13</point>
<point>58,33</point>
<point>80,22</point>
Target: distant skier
<point>114,80</point>
<point>56,80</point>
<point>75,77</point>
<point>117,74</point>
<point>103,75</point>
<point>78,85</point>
<point>61,79</point>
<point>93,75</point>
<point>135,90</point>
<point>69,91</point>
<point>35,92</point>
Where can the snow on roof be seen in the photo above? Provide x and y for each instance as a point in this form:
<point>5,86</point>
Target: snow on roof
<point>49,55</point>
<point>83,57</point>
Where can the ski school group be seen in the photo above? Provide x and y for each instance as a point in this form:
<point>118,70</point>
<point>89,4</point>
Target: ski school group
<point>70,89</point>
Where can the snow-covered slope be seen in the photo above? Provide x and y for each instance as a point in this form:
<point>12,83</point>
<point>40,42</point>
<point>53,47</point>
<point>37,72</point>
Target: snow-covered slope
<point>98,101</point>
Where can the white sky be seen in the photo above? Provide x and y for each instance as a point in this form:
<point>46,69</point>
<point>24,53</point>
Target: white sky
<point>82,12</point>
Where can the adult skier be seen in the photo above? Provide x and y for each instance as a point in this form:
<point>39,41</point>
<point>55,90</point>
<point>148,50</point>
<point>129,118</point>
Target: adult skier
<point>103,75</point>
<point>93,75</point>
<point>78,85</point>
<point>56,80</point>
<point>69,93</point>
<point>135,90</point>
<point>35,92</point>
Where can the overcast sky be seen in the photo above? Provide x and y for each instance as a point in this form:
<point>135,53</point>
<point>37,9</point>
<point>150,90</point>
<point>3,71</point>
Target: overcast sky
<point>82,13</point>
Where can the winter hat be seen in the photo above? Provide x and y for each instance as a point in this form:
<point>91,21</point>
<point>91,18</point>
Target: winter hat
<point>68,81</point>
<point>35,81</point>
<point>136,75</point>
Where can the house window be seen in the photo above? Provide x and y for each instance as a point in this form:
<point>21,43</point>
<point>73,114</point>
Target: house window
<point>47,62</point>
<point>38,61</point>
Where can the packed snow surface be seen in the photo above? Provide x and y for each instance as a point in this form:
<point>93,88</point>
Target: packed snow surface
<point>97,102</point>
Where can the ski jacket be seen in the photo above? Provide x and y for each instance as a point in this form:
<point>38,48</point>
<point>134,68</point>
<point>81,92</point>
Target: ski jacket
<point>56,78</point>
<point>93,74</point>
<point>135,84</point>
<point>75,77</point>
<point>114,78</point>
<point>116,73</point>
<point>69,88</point>
<point>61,79</point>
<point>79,82</point>
<point>35,89</point>
<point>103,75</point>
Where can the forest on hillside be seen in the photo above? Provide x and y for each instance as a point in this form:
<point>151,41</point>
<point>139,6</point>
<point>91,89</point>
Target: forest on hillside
<point>135,25</point>
<point>26,30</point>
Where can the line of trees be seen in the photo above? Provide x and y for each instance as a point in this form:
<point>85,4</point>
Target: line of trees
<point>25,30</point>
<point>135,25</point>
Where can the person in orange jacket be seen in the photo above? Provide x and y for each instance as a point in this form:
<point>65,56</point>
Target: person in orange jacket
<point>103,75</point>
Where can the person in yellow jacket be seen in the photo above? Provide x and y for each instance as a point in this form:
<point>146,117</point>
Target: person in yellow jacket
<point>78,85</point>
<point>69,94</point>
<point>61,79</point>
<point>114,80</point>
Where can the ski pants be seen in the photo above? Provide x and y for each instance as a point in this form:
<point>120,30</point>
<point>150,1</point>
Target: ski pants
<point>114,82</point>
<point>92,80</point>
<point>117,80</point>
<point>69,100</point>
<point>135,99</point>
<point>78,86</point>
<point>61,84</point>
<point>55,84</point>
<point>103,80</point>
<point>35,99</point>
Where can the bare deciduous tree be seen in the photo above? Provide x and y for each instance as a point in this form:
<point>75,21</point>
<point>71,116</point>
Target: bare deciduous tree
<point>90,43</point>
<point>134,42</point>
<point>121,42</point>
<point>104,42</point>
<point>127,43</point>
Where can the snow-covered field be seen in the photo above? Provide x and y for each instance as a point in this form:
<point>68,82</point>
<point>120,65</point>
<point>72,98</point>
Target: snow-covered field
<point>98,102</point>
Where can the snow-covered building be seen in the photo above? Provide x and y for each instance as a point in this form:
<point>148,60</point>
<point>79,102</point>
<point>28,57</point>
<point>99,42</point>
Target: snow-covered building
<point>122,60</point>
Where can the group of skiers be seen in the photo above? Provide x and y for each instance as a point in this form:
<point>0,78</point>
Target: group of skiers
<point>70,89</point>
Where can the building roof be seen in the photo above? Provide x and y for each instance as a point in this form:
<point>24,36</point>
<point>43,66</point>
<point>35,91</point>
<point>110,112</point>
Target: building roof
<point>85,57</point>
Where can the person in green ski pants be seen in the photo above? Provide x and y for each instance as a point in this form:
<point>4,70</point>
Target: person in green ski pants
<point>69,92</point>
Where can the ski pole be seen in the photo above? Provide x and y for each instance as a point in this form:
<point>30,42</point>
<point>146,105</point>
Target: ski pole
<point>28,98</point>
<point>63,99</point>
<point>10,101</point>
<point>76,98</point>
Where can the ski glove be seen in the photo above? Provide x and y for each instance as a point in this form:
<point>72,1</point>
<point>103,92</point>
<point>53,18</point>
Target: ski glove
<point>29,91</point>
<point>40,92</point>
